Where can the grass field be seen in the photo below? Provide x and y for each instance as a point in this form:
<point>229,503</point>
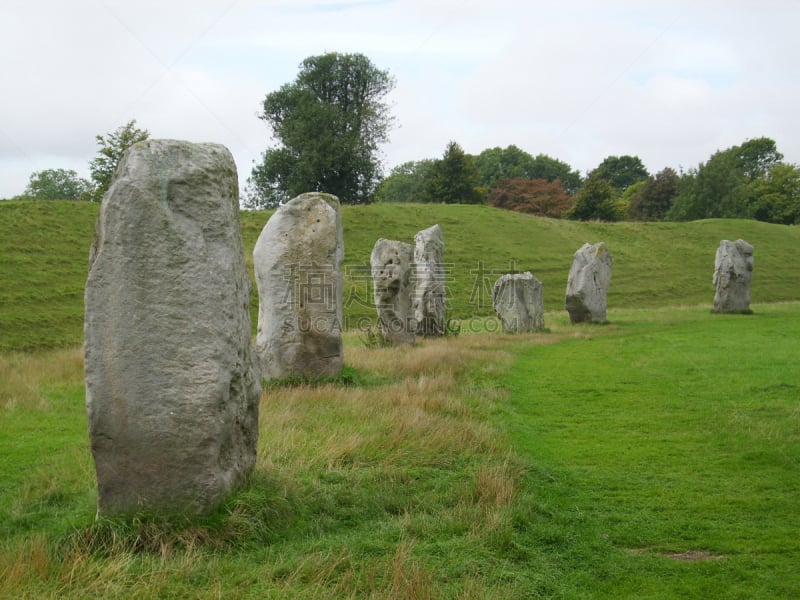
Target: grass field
<point>653,457</point>
<point>44,251</point>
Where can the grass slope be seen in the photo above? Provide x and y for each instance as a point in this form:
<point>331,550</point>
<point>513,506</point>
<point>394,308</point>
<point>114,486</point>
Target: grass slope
<point>44,254</point>
<point>44,249</point>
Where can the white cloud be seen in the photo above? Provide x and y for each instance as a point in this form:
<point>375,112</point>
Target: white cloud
<point>670,82</point>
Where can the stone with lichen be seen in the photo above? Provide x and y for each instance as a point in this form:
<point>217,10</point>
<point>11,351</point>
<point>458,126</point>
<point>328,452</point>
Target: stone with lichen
<point>588,283</point>
<point>518,300</point>
<point>733,272</point>
<point>172,385</point>
<point>297,261</point>
<point>391,262</point>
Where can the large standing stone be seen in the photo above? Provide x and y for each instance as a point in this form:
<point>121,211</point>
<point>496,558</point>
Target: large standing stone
<point>733,270</point>
<point>298,259</point>
<point>391,263</point>
<point>172,387</point>
<point>588,282</point>
<point>429,282</point>
<point>518,300</point>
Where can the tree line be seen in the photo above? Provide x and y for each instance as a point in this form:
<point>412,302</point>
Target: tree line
<point>65,184</point>
<point>749,180</point>
<point>329,123</point>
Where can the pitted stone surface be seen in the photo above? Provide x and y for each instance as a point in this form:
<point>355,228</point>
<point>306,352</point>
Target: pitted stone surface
<point>298,261</point>
<point>391,263</point>
<point>172,386</point>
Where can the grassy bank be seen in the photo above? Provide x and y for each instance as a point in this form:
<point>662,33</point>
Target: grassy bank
<point>654,457</point>
<point>44,252</point>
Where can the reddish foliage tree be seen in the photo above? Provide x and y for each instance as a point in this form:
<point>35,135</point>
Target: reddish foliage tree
<point>532,196</point>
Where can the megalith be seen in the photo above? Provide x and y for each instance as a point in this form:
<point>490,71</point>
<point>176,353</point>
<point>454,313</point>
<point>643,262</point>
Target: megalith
<point>518,300</point>
<point>587,284</point>
<point>429,282</point>
<point>298,269</point>
<point>391,263</point>
<point>733,271</point>
<point>172,384</point>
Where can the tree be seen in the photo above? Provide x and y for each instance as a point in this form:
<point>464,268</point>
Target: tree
<point>620,171</point>
<point>723,186</point>
<point>531,196</point>
<point>623,201</point>
<point>712,190</point>
<point>594,201</point>
<point>775,198</point>
<point>546,167</point>
<point>405,182</point>
<point>329,124</point>
<point>112,147</point>
<point>756,157</point>
<point>654,198</point>
<point>496,164</point>
<point>57,184</point>
<point>453,178</point>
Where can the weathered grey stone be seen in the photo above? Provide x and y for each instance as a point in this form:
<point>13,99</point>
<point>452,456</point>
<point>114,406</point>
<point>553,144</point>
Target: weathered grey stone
<point>518,300</point>
<point>429,282</point>
<point>172,387</point>
<point>733,271</point>
<point>588,282</point>
<point>298,259</point>
<point>391,263</point>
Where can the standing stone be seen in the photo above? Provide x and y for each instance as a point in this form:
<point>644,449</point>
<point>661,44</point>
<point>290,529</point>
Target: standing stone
<point>587,285</point>
<point>298,260</point>
<point>172,387</point>
<point>733,270</point>
<point>518,300</point>
<point>391,263</point>
<point>429,284</point>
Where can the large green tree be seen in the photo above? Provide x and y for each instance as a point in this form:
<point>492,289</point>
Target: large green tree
<point>453,178</point>
<point>112,146</point>
<point>406,182</point>
<point>620,171</point>
<point>498,164</point>
<point>57,184</point>
<point>549,168</point>
<point>756,157</point>
<point>329,124</point>
<point>723,186</point>
<point>654,197</point>
<point>594,202</point>
<point>775,198</point>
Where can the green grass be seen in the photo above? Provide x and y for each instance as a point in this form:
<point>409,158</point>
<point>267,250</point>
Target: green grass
<point>46,472</point>
<point>652,457</point>
<point>44,255</point>
<point>44,250</point>
<point>665,451</point>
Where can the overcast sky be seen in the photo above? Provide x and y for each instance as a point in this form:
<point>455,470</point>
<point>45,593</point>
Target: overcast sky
<point>670,82</point>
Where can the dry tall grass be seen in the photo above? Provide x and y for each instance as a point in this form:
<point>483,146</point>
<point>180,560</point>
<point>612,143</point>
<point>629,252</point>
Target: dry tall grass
<point>429,412</point>
<point>422,410</point>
